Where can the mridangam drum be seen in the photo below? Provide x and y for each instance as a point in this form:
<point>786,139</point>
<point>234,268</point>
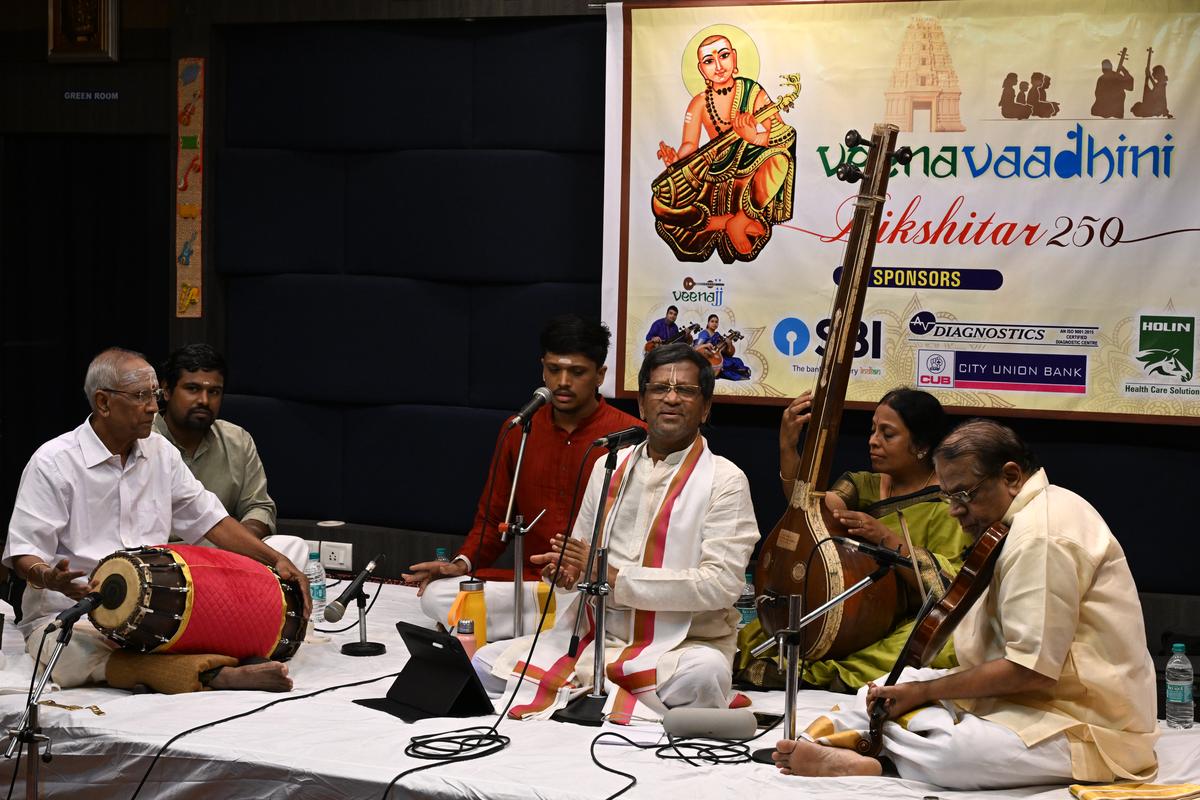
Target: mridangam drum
<point>189,599</point>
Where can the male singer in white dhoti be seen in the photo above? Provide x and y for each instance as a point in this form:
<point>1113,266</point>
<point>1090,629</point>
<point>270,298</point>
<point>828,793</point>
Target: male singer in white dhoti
<point>680,529</point>
<point>1054,682</point>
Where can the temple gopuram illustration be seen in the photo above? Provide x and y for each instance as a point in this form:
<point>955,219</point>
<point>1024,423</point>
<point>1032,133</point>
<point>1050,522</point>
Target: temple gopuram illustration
<point>924,78</point>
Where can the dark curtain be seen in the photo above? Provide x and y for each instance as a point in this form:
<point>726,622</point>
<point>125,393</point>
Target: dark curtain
<point>84,263</point>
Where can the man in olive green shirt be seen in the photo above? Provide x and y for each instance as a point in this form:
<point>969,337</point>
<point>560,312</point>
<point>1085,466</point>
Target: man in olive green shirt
<point>220,454</point>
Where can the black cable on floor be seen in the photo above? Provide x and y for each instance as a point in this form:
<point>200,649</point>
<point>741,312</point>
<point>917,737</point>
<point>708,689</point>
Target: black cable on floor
<point>450,747</point>
<point>707,751</point>
<point>264,707</point>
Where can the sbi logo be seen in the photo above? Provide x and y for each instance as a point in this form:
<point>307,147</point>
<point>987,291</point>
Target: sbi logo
<point>922,322</point>
<point>791,336</point>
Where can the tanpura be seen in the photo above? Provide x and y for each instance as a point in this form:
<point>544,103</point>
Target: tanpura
<point>798,558</point>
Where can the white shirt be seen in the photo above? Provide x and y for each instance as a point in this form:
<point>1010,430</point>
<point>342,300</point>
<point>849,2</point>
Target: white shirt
<point>77,501</point>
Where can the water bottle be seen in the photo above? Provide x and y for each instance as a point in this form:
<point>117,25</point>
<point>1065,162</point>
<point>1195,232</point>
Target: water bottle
<point>465,633</point>
<point>1179,689</point>
<point>442,554</point>
<point>745,603</point>
<point>315,573</point>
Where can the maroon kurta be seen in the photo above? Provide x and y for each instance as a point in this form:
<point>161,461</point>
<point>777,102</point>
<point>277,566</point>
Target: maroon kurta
<point>553,459</point>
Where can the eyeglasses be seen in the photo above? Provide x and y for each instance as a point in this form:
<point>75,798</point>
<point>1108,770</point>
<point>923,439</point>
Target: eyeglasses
<point>140,397</point>
<point>963,497</point>
<point>685,391</point>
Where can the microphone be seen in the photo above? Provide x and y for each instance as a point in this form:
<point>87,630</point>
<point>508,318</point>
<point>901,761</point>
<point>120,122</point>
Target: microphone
<point>710,723</point>
<point>541,396</point>
<point>335,610</point>
<point>891,558</point>
<point>623,438</point>
<point>86,603</point>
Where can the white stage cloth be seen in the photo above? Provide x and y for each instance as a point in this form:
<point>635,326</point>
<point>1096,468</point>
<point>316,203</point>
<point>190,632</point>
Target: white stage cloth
<point>328,747</point>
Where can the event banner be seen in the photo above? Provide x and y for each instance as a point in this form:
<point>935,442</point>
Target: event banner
<point>1037,255</point>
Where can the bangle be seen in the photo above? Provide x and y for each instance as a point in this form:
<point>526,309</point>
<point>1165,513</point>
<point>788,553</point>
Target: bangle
<point>31,574</point>
<point>789,480</point>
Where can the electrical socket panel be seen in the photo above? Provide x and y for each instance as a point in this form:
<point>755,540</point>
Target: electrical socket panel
<point>337,555</point>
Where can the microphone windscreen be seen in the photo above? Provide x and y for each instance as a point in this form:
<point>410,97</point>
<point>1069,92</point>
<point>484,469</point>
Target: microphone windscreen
<point>710,723</point>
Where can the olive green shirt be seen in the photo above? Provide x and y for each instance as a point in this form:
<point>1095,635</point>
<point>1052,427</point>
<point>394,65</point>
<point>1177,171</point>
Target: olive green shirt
<point>227,463</point>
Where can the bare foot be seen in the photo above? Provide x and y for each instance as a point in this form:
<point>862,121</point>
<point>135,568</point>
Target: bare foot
<point>802,757</point>
<point>270,676</point>
<point>740,229</point>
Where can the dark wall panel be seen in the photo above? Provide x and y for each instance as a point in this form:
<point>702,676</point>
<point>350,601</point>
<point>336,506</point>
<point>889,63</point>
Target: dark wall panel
<point>480,216</point>
<point>541,87</point>
<point>343,339</point>
<point>280,211</point>
<point>416,466</point>
<point>349,87</point>
<point>302,450</point>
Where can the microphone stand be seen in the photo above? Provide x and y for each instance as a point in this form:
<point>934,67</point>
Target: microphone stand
<point>788,640</point>
<point>28,730</point>
<point>507,527</point>
<point>362,647</point>
<point>588,709</point>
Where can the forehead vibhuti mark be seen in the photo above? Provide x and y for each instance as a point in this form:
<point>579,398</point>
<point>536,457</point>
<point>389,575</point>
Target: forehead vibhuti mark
<point>141,375</point>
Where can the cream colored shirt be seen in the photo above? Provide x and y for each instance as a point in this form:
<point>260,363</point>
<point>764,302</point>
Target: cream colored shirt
<point>227,463</point>
<point>1063,603</point>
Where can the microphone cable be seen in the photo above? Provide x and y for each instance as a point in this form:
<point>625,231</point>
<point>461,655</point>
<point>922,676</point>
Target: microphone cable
<point>242,714</point>
<point>466,744</point>
<point>362,612</point>
<point>703,752</point>
<point>28,696</point>
<point>487,503</point>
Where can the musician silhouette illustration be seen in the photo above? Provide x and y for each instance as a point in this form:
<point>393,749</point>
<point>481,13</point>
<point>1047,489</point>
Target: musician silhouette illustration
<point>1013,105</point>
<point>1154,92</point>
<point>1111,87</point>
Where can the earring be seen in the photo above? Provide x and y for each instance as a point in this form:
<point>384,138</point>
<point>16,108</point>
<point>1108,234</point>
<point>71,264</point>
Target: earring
<point>921,455</point>
<point>735,71</point>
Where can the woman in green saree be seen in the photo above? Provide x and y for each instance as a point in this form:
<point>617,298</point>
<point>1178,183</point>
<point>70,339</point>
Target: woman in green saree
<point>905,429</point>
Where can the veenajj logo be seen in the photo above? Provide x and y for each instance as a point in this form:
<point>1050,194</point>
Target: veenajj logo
<point>922,322</point>
<point>791,336</point>
<point>1167,346</point>
<point>711,291</point>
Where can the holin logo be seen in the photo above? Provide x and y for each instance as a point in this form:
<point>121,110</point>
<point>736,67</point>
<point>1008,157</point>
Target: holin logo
<point>1167,346</point>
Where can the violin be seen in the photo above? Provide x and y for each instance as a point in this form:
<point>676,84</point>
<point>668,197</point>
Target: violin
<point>685,334</point>
<point>937,620</point>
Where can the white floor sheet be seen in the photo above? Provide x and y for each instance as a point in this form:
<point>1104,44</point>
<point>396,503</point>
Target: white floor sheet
<point>328,747</point>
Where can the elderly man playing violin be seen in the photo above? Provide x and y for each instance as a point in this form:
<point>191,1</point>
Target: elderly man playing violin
<point>1054,682</point>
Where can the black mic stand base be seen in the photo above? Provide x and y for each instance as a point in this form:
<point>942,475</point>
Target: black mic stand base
<point>363,649</point>
<point>583,710</point>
